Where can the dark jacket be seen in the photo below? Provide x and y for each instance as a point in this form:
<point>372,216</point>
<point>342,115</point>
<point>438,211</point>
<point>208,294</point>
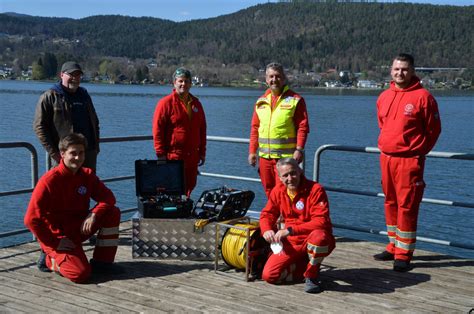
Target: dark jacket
<point>53,118</point>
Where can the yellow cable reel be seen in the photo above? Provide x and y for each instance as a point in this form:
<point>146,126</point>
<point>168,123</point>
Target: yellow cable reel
<point>234,244</point>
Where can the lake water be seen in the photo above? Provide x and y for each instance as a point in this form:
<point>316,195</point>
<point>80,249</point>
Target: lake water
<point>345,117</point>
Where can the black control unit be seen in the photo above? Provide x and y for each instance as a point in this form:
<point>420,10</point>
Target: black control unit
<point>223,204</point>
<point>160,189</point>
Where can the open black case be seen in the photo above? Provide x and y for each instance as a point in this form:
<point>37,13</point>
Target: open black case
<point>223,203</point>
<point>160,189</point>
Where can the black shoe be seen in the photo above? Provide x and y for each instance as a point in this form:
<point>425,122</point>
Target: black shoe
<point>384,256</point>
<point>312,285</point>
<point>105,268</point>
<point>41,263</point>
<point>401,266</point>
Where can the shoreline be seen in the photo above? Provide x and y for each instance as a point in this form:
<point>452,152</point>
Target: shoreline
<point>248,86</point>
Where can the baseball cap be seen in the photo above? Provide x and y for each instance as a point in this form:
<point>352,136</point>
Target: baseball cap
<point>182,72</point>
<point>70,67</point>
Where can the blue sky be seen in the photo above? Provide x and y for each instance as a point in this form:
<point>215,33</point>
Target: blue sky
<point>175,10</point>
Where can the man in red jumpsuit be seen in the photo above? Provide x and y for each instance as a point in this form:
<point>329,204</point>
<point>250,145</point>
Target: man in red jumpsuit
<point>179,128</point>
<point>410,125</point>
<point>279,126</point>
<point>59,216</point>
<point>306,238</point>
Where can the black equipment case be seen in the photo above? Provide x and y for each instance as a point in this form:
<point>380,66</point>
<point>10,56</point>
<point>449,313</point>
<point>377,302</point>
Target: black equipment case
<point>160,189</point>
<point>223,204</point>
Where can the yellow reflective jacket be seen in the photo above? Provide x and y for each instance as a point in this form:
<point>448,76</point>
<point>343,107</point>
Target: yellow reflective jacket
<point>277,131</point>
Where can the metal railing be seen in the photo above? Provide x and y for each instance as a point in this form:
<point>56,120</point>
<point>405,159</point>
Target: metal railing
<point>316,166</point>
<point>34,166</point>
<point>117,139</point>
<point>375,150</point>
<point>204,174</point>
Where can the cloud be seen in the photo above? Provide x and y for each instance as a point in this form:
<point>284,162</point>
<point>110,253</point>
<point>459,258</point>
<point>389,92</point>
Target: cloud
<point>184,13</point>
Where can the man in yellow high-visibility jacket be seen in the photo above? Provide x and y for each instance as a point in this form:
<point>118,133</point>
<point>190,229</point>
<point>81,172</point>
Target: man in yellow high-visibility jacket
<point>279,126</point>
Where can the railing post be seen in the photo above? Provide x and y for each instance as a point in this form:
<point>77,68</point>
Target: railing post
<point>316,161</point>
<point>47,161</point>
<point>34,168</point>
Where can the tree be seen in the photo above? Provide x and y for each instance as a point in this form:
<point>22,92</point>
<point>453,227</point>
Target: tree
<point>317,35</point>
<point>50,65</point>
<point>139,75</point>
<point>38,70</point>
<point>103,67</point>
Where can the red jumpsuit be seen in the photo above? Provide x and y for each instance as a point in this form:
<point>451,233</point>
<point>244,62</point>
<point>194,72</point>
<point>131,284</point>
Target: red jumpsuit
<point>311,239</point>
<point>409,128</point>
<point>179,137</point>
<point>267,167</point>
<point>59,205</point>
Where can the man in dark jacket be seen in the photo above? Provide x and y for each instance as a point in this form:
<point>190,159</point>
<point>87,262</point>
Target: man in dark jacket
<point>67,108</point>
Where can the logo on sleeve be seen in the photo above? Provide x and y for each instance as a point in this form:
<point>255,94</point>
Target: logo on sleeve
<point>300,205</point>
<point>195,109</point>
<point>82,190</point>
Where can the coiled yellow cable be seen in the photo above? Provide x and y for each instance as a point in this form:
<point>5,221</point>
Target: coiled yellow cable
<point>234,245</point>
<point>200,223</point>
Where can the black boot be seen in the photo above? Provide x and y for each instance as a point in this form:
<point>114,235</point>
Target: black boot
<point>401,266</point>
<point>384,256</point>
<point>41,263</point>
<point>312,285</point>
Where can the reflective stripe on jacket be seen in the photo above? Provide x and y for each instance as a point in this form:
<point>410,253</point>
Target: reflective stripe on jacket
<point>277,131</point>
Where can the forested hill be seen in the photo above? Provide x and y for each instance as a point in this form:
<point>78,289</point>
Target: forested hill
<point>302,36</point>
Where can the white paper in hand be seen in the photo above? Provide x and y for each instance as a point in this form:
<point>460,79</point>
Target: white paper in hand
<point>276,247</point>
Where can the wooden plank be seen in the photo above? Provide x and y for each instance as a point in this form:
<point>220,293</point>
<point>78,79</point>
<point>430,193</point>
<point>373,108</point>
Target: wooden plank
<point>256,293</point>
<point>292,294</point>
<point>16,306</point>
<point>40,302</point>
<point>355,282</point>
<point>126,293</point>
<point>405,281</point>
<point>91,291</point>
<point>445,273</point>
<point>172,288</point>
<point>132,284</point>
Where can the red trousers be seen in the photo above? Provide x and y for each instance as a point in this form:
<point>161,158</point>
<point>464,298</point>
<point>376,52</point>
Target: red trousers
<point>268,174</point>
<point>403,186</point>
<point>74,264</point>
<point>298,261</point>
<point>190,174</point>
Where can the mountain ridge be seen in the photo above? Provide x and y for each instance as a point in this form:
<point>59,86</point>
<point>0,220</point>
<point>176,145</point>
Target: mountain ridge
<point>303,36</point>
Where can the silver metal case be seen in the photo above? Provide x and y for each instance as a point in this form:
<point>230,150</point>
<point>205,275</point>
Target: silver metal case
<point>172,239</point>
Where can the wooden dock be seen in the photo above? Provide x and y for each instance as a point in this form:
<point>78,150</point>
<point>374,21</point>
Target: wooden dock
<point>353,282</point>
